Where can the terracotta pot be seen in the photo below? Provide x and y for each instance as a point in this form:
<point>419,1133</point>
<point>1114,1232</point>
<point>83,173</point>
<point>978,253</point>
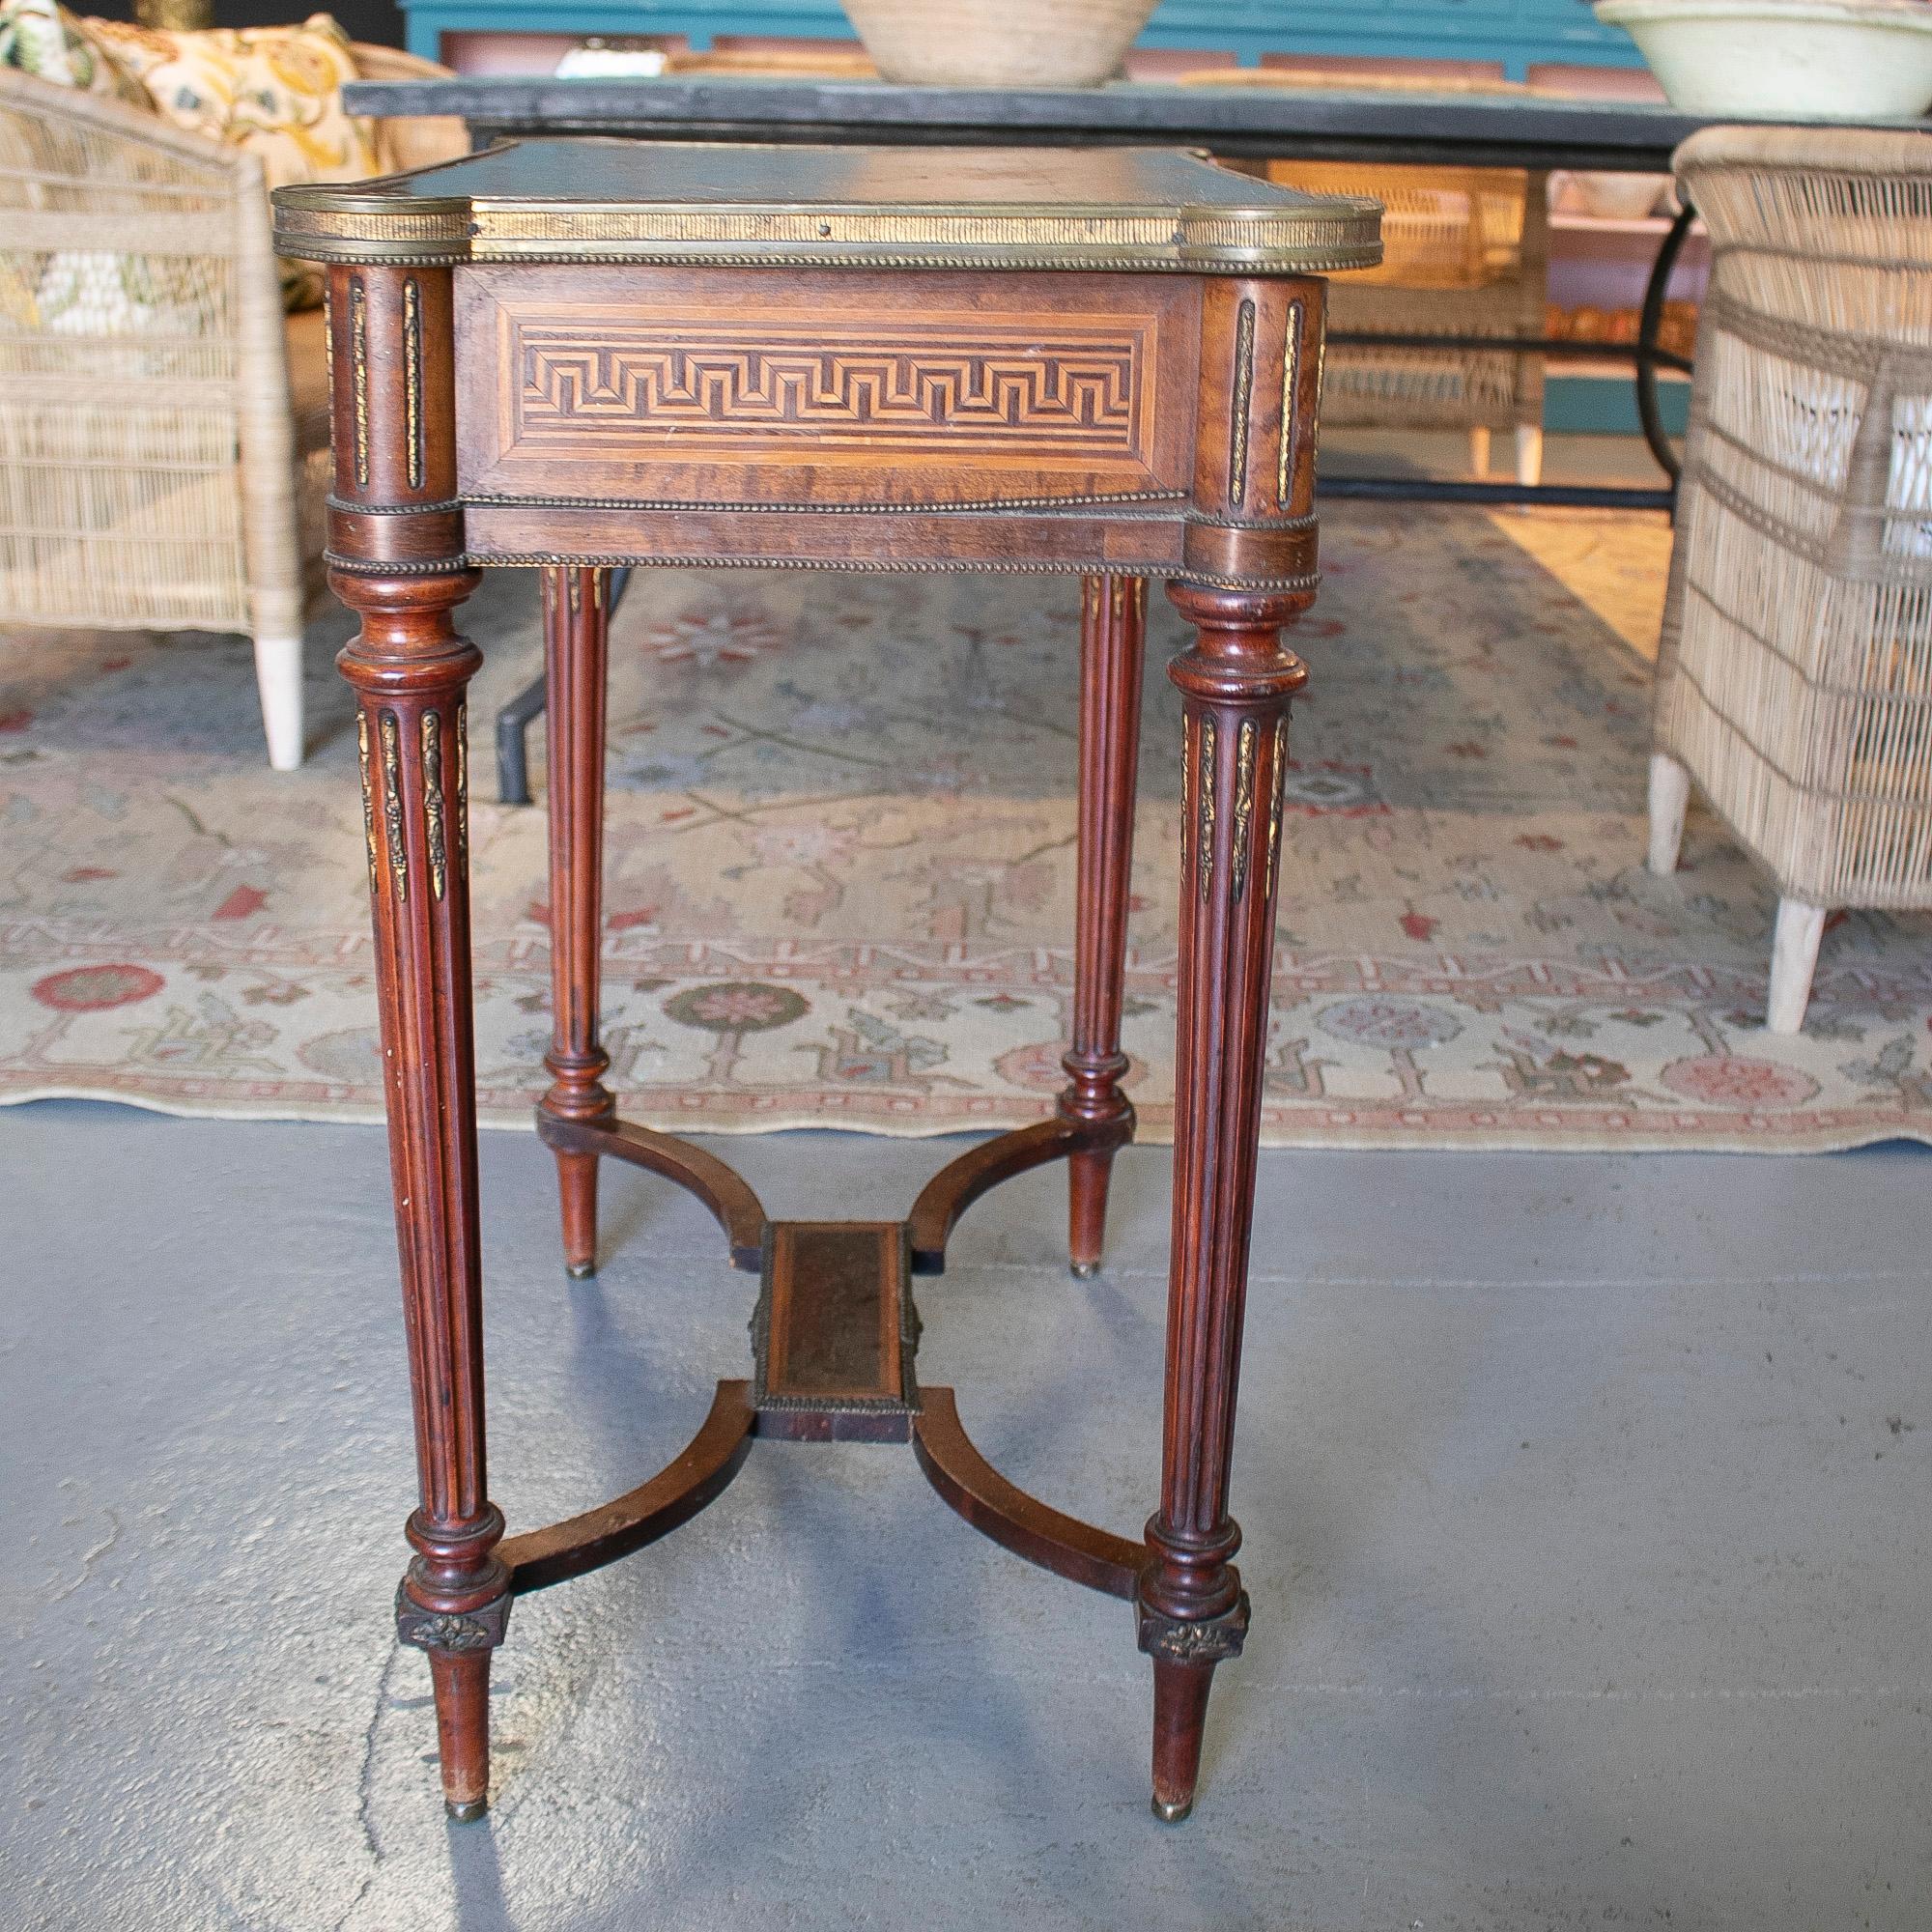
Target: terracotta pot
<point>999,42</point>
<point>1803,60</point>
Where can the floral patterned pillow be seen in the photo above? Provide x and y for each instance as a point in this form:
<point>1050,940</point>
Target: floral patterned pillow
<point>45,41</point>
<point>275,91</point>
<point>81,292</point>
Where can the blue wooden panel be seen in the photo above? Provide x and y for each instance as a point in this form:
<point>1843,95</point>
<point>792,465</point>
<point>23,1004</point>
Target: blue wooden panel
<point>1515,32</point>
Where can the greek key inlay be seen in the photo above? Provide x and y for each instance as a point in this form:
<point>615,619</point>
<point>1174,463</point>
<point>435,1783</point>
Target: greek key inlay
<point>1244,805</point>
<point>1244,386</point>
<point>1205,860</point>
<point>432,831</point>
<point>994,385</point>
<point>393,805</point>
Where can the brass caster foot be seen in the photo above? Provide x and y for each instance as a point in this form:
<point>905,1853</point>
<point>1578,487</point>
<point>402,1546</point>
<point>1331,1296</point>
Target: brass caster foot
<point>1084,1270</point>
<point>1172,1814</point>
<point>465,1813</point>
<point>579,1270</point>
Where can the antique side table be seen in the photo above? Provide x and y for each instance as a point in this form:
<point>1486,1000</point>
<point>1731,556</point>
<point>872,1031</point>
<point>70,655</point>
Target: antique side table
<point>580,355</point>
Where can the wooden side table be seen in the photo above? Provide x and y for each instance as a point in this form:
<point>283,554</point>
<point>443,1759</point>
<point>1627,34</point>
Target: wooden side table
<point>582,355</point>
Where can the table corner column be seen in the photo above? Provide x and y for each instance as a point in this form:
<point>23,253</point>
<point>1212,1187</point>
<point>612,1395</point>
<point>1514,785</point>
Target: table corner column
<point>1250,559</point>
<point>396,557</point>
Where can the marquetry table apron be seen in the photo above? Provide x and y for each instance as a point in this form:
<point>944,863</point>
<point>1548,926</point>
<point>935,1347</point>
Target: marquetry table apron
<point>581,355</point>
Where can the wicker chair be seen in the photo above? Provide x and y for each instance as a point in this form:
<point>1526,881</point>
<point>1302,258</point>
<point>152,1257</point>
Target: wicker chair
<point>1465,250</point>
<point>1795,679</point>
<point>163,440</point>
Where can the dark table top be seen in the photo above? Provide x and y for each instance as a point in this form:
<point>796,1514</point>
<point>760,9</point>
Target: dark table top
<point>625,200</point>
<point>1512,129</point>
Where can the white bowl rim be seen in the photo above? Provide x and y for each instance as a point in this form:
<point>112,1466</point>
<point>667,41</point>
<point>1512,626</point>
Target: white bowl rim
<point>1909,15</point>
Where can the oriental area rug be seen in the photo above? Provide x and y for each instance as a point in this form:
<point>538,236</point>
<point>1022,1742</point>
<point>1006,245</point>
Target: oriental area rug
<point>840,870</point>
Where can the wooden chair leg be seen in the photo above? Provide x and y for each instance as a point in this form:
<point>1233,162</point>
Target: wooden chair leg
<point>1236,685</point>
<point>1112,648</point>
<point>278,682</point>
<point>1529,455</point>
<point>1669,800</point>
<point>1479,453</point>
<point>1794,959</point>
<point>576,625</point>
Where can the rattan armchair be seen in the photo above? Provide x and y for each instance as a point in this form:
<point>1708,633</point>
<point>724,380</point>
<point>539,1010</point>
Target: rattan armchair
<point>1464,251</point>
<point>163,426</point>
<point>1795,678</point>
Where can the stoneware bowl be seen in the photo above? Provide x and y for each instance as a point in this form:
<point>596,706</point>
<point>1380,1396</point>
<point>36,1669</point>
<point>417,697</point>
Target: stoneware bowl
<point>1807,60</point>
<point>999,42</point>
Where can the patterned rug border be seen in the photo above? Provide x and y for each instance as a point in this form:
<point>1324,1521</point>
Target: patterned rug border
<point>1578,1127</point>
<point>1578,1130</point>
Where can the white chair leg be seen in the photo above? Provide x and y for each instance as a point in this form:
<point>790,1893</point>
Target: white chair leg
<point>1794,959</point>
<point>1529,454</point>
<point>1479,453</point>
<point>278,676</point>
<point>1670,800</point>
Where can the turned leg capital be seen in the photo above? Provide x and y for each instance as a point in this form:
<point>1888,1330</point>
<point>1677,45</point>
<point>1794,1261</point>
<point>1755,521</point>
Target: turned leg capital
<point>1238,656</point>
<point>408,644</point>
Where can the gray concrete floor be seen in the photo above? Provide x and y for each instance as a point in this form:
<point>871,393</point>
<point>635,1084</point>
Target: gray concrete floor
<point>1585,1503</point>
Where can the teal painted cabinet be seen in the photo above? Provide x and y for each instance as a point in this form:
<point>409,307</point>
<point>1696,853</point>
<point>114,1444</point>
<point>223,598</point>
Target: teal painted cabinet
<point>1515,32</point>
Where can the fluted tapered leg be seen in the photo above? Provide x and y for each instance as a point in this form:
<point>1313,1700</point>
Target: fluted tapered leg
<point>396,557</point>
<point>1112,635</point>
<point>410,668</point>
<point>576,623</point>
<point>1235,684</point>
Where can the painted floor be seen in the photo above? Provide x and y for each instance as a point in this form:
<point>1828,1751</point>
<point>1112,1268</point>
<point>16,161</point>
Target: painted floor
<point>1586,1506</point>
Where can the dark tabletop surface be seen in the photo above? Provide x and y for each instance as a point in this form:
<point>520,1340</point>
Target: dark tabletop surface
<point>1155,182</point>
<point>616,199</point>
<point>1517,128</point>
